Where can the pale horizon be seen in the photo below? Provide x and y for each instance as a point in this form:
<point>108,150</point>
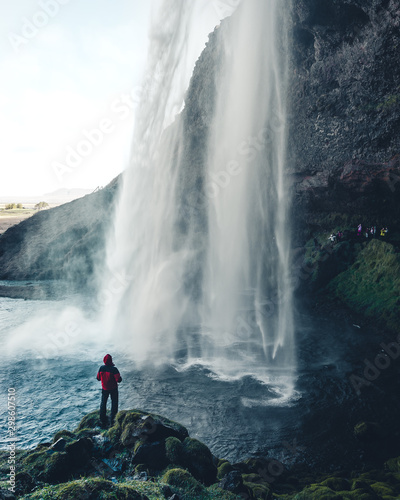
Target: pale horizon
<point>71,84</point>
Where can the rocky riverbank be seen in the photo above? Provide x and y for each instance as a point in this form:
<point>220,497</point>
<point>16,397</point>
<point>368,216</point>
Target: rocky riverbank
<point>146,456</point>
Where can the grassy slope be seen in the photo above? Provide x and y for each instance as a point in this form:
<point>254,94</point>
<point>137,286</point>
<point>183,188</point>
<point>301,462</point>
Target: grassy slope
<point>371,286</point>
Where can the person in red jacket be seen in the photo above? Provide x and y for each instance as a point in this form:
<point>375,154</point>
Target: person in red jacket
<point>109,376</point>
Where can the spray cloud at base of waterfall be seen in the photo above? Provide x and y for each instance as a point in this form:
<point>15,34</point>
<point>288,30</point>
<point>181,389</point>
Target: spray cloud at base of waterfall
<point>201,230</point>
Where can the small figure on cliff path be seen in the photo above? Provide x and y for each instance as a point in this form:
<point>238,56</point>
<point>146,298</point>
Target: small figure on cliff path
<point>359,229</point>
<point>110,377</point>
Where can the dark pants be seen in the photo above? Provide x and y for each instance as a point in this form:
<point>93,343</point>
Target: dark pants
<point>103,405</point>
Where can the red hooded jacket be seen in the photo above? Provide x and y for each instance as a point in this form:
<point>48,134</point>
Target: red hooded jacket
<point>109,374</point>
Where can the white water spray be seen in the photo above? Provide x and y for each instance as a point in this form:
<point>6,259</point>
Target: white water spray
<point>202,238</point>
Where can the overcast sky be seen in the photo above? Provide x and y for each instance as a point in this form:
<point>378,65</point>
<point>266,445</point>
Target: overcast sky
<point>70,68</point>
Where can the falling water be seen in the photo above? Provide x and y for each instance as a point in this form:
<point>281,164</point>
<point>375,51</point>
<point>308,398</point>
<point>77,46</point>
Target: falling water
<point>201,238</point>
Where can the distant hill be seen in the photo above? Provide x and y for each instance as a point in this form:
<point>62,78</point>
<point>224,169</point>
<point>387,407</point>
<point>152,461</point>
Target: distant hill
<point>57,197</point>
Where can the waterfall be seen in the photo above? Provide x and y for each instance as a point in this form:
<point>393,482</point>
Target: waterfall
<point>202,237</point>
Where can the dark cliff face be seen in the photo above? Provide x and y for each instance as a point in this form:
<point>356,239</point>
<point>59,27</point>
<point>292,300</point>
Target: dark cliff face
<point>345,110</point>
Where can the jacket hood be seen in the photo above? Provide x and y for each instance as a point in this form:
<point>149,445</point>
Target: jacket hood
<point>108,360</point>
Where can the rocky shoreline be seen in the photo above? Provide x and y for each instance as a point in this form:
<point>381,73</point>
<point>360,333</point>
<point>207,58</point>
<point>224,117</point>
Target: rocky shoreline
<point>149,457</point>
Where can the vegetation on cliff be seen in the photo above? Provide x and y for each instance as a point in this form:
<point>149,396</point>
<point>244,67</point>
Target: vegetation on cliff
<point>371,286</point>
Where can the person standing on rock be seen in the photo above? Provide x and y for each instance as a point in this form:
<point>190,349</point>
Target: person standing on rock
<point>110,377</point>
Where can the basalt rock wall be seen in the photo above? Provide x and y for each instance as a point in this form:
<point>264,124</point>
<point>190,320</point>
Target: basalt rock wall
<point>344,139</point>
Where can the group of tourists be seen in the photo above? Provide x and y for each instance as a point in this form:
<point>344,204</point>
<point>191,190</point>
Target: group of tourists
<point>366,232</point>
<point>335,238</point>
<point>371,232</point>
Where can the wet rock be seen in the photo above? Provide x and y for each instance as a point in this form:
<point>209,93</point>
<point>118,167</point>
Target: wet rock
<point>151,454</point>
<point>182,479</point>
<point>79,451</point>
<point>199,461</point>
<point>59,445</point>
<point>233,482</point>
<point>24,483</point>
<point>166,491</point>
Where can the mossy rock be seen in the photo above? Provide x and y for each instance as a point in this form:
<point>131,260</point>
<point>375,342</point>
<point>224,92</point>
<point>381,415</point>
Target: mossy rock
<point>35,463</point>
<point>393,465</point>
<point>337,484</point>
<point>199,461</point>
<point>362,487</point>
<point>89,421</point>
<point>318,492</point>
<point>79,451</point>
<point>218,494</point>
<point>193,456</point>
<point>134,425</point>
<point>224,467</point>
<point>24,483</point>
<point>384,490</point>
<point>67,435</point>
<point>259,489</point>
<point>89,489</point>
<point>182,479</point>
<point>152,454</point>
<point>57,467</point>
<point>174,450</point>
<point>86,432</point>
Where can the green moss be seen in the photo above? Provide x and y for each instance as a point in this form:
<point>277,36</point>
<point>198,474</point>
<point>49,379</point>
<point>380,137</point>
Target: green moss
<point>100,489</point>
<point>182,479</point>
<point>216,493</point>
<point>224,467</point>
<point>259,491</point>
<point>383,489</point>
<point>141,468</point>
<point>174,450</point>
<point>371,286</point>
<point>337,484</point>
<point>89,421</point>
<point>130,426</point>
<point>86,432</point>
<point>35,463</point>
<point>57,467</point>
<point>393,465</point>
<point>196,451</point>
<point>67,435</point>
